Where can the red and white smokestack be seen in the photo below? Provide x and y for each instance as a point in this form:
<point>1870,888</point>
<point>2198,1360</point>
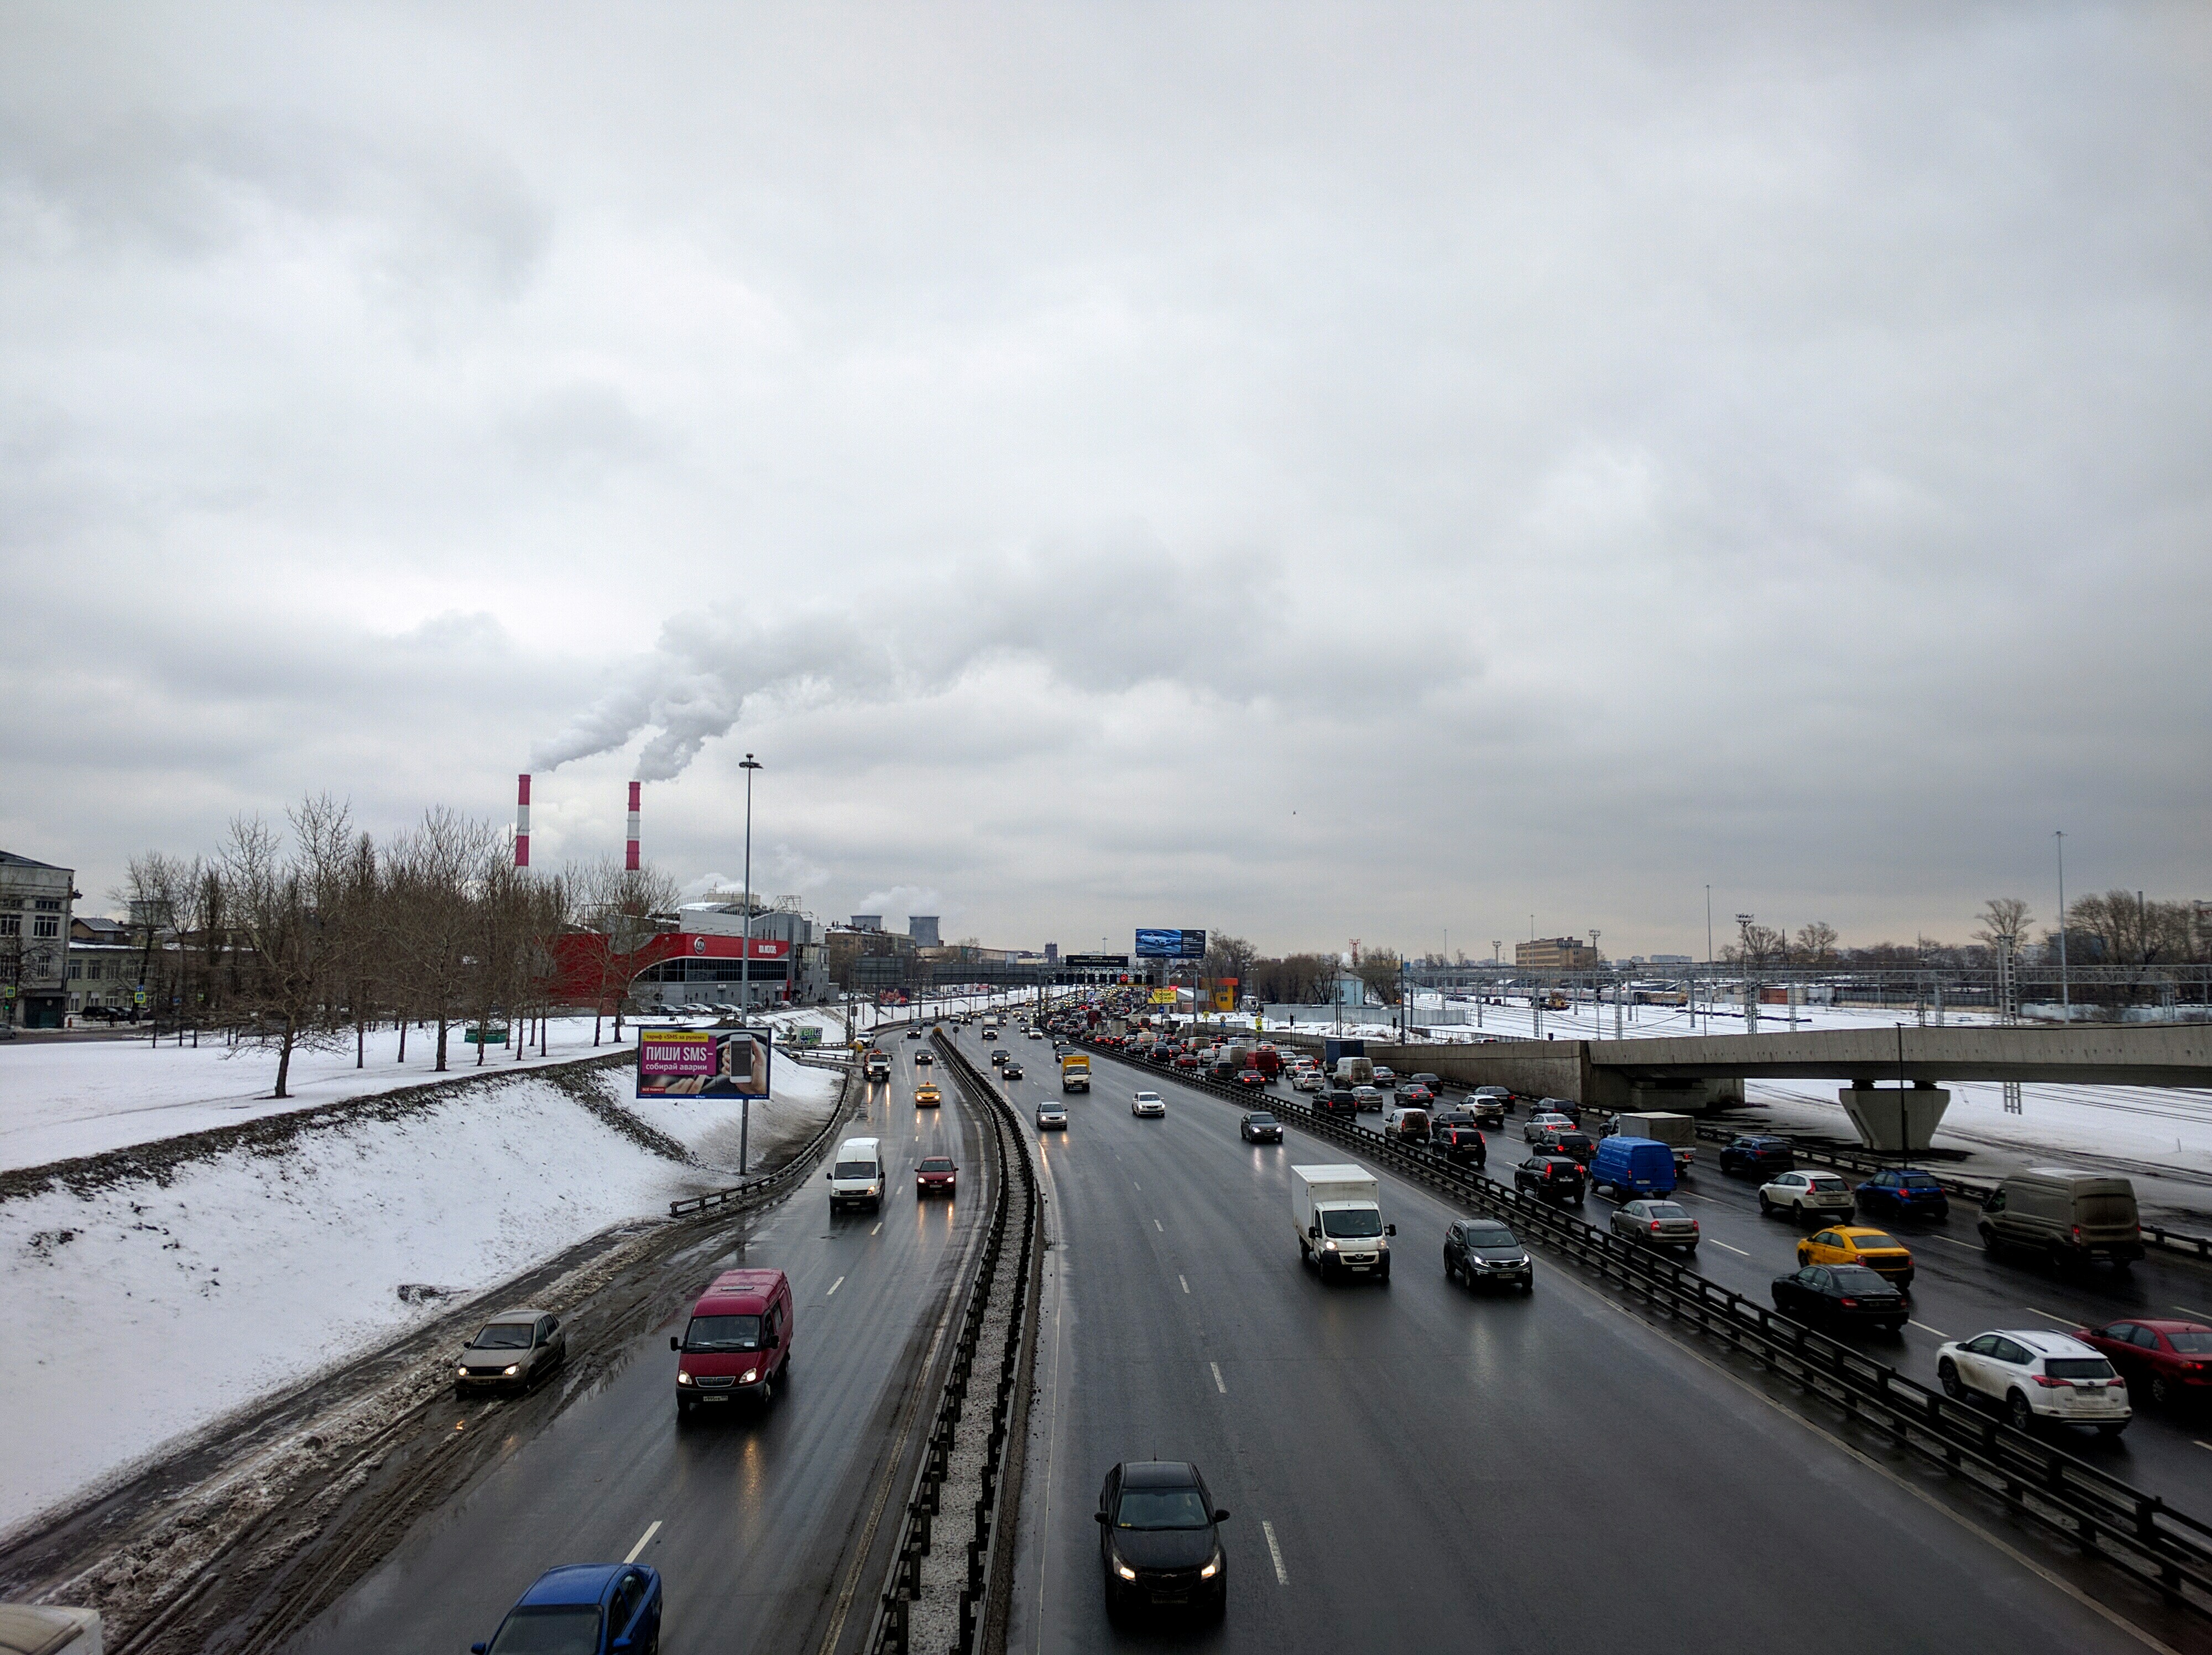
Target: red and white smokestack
<point>629,856</point>
<point>522,821</point>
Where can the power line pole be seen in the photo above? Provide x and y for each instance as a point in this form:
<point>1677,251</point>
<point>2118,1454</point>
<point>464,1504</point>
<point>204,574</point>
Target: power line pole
<point>2066,987</point>
<point>745,962</point>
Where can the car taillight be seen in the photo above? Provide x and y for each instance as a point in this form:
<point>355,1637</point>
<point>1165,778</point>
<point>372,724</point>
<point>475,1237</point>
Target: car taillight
<point>2077,1233</point>
<point>1851,1303</point>
<point>2049,1383</point>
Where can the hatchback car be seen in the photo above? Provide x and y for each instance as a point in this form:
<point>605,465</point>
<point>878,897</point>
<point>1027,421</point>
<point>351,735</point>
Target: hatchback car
<point>1754,1151</point>
<point>583,1608</point>
<point>1656,1224</point>
<point>1839,1293</point>
<point>2036,1376</point>
<point>1904,1192</point>
<point>2171,1362</point>
<point>510,1351</point>
<point>936,1175</point>
<point>1260,1127</point>
<point>1553,1177</point>
<point>1051,1118</point>
<point>1482,1252</point>
<point>1850,1243</point>
<point>1307,1080</point>
<point>1147,1104</point>
<point>1806,1196</point>
<point>1159,1541</point>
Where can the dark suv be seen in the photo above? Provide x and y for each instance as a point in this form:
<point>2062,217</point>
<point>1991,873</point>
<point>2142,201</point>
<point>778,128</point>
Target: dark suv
<point>1336,1100</point>
<point>1482,1252</point>
<point>1904,1192</point>
<point>1752,1153</point>
<point>1550,1177</point>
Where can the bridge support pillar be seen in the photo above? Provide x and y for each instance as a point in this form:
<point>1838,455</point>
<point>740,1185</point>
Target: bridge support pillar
<point>1895,1120</point>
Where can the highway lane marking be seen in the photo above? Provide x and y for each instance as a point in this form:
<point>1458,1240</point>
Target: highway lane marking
<point>1186,1286</point>
<point>1282,1574</point>
<point>2201,1443</point>
<point>643,1540</point>
<point>1738,1251</point>
<point>1160,1227</point>
<point>1924,1328</point>
<point>2063,1321</point>
<point>1220,1383</point>
<point>2193,1312</point>
<point>878,1230</point>
<point>1687,1195</point>
<point>1947,1242</point>
<point>833,1285</point>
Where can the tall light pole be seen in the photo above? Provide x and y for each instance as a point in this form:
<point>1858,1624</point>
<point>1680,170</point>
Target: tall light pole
<point>745,961</point>
<point>2065,987</point>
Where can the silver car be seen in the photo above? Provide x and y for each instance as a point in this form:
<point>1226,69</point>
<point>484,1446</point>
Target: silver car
<point>510,1350</point>
<point>1656,1224</point>
<point>1051,1118</point>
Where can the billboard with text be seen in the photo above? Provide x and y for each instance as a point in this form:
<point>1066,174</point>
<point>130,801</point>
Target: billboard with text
<point>1171,945</point>
<point>703,1062</point>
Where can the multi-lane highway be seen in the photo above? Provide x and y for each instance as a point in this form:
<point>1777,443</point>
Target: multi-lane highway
<point>759,1524</point>
<point>1416,1466</point>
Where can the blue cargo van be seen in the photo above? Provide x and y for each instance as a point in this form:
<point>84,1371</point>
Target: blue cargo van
<point>1632,1168</point>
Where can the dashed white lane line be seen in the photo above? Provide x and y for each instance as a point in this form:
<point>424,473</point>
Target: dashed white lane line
<point>2206,1315</point>
<point>1220,1383</point>
<point>643,1540</point>
<point>2201,1443</point>
<point>2063,1321</point>
<point>1282,1574</point>
<point>833,1285</point>
<point>1924,1328</point>
<point>1186,1286</point>
<point>1947,1242</point>
<point>1160,1227</point>
<point>1738,1251</point>
<point>878,1230</point>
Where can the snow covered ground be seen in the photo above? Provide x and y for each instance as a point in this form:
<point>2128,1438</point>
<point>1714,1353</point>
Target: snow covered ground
<point>60,1099</point>
<point>147,1310</point>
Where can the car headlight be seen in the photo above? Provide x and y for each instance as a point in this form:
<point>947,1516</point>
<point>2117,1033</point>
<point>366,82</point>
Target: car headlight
<point>512,1369</point>
<point>682,1378</point>
<point>1212,1567</point>
<point>1124,1570</point>
<point>1328,1246</point>
<point>752,1374</point>
<point>462,1371</point>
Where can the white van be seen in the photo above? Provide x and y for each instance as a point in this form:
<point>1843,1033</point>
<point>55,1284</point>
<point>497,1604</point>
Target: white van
<point>856,1177</point>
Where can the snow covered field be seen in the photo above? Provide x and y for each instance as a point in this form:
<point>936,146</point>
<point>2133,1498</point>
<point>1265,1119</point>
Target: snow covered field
<point>61,1099</point>
<point>147,1310</point>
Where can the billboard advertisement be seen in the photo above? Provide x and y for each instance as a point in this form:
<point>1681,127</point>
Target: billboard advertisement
<point>703,1062</point>
<point>1170,945</point>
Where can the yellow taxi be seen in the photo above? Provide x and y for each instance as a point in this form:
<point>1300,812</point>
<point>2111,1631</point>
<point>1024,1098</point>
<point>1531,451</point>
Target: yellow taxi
<point>1851,1244</point>
<point>927,1097</point>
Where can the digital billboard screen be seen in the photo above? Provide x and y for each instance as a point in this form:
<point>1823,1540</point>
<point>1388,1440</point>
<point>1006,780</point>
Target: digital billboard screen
<point>1171,945</point>
<point>703,1062</point>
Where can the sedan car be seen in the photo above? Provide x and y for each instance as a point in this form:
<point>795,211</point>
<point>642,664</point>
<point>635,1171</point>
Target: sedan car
<point>1553,1177</point>
<point>1414,1095</point>
<point>936,1175</point>
<point>1367,1097</point>
<point>1754,1152</point>
<point>2171,1362</point>
<point>1260,1127</point>
<point>1806,1196</point>
<point>1538,1123</point>
<point>2035,1376</point>
<point>998,1056</point>
<point>1904,1192</point>
<point>914,1034</point>
<point>1386,1079</point>
<point>1656,1224</point>
<point>1051,1118</point>
<point>1250,1077</point>
<point>1849,1244</point>
<point>1839,1293</point>
<point>1433,1082</point>
<point>582,1609</point>
<point>1159,1542</point>
<point>1147,1104</point>
<point>926,1096</point>
<point>1481,1252</point>
<point>509,1351</point>
<point>1010,1071</point>
<point>1187,1061</point>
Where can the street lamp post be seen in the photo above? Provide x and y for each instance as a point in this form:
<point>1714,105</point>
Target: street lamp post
<point>745,961</point>
<point>2065,987</point>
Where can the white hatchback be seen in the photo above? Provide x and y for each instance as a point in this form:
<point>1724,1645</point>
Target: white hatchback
<point>1147,1103</point>
<point>1805,1196</point>
<point>2033,1375</point>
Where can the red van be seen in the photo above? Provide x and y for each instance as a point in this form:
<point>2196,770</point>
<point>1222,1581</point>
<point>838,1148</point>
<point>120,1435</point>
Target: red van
<point>738,1342</point>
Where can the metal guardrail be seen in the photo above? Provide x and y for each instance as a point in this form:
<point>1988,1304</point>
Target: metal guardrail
<point>769,1183</point>
<point>1014,1220</point>
<point>2165,1549</point>
<point>1973,1189</point>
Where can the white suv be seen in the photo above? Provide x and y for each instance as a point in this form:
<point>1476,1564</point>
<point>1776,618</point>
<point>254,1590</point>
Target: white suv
<point>1806,1195</point>
<point>1147,1103</point>
<point>2034,1375</point>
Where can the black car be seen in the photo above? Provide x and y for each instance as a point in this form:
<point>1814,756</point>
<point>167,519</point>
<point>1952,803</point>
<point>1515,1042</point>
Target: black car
<point>1489,1105</point>
<point>1482,1252</point>
<point>1754,1152</point>
<point>1435,1083</point>
<point>998,1056</point>
<point>1336,1100</point>
<point>1159,1542</point>
<point>1840,1293</point>
<point>914,1034</point>
<point>1463,1145</point>
<point>1553,1177</point>
<point>1260,1127</point>
<point>1565,1140</point>
<point>1010,1070</point>
<point>1572,1111</point>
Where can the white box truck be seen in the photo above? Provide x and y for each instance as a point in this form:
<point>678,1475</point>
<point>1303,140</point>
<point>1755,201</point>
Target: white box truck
<point>1678,1132</point>
<point>1338,1215</point>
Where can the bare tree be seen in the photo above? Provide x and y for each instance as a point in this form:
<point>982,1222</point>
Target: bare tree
<point>620,904</point>
<point>1378,970</point>
<point>1815,944</point>
<point>437,870</point>
<point>275,900</point>
<point>2004,924</point>
<point>1228,957</point>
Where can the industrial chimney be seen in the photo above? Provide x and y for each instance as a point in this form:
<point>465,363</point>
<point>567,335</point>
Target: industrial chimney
<point>522,821</point>
<point>630,855</point>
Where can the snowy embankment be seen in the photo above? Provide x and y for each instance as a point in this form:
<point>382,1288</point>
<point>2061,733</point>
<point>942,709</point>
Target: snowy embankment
<point>143,1303</point>
<point>61,1099</point>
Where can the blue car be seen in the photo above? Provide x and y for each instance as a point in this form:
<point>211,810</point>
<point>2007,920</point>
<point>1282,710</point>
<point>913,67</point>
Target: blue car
<point>583,1608</point>
<point>1904,1192</point>
<point>1633,1168</point>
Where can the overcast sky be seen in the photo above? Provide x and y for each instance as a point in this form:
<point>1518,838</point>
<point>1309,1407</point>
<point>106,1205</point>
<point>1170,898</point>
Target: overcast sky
<point>1320,472</point>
